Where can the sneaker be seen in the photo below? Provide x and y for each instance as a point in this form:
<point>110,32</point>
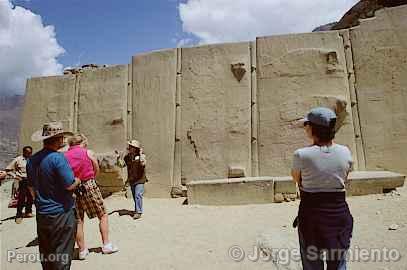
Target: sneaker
<point>19,220</point>
<point>83,254</point>
<point>137,216</point>
<point>29,215</point>
<point>109,249</point>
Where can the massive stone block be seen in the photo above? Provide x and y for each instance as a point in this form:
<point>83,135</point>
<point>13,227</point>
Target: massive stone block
<point>216,110</point>
<point>154,89</point>
<point>101,116</point>
<point>380,57</point>
<point>250,190</point>
<point>296,73</point>
<point>47,99</point>
<point>102,103</point>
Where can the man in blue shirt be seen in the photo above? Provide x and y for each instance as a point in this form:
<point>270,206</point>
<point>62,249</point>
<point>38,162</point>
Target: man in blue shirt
<point>52,182</point>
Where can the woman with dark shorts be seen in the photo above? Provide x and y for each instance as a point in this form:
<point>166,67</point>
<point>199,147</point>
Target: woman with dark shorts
<point>324,221</point>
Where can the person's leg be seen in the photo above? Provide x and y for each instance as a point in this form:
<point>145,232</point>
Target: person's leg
<point>80,235</point>
<point>310,256</point>
<point>133,192</point>
<point>80,217</point>
<point>65,227</point>
<point>44,247</point>
<point>139,191</point>
<point>22,193</point>
<point>338,261</point>
<point>104,228</point>
<point>29,202</point>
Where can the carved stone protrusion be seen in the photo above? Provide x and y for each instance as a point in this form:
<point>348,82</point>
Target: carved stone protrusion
<point>238,71</point>
<point>332,61</point>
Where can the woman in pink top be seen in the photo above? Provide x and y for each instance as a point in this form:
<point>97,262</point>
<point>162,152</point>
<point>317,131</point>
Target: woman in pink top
<point>88,196</point>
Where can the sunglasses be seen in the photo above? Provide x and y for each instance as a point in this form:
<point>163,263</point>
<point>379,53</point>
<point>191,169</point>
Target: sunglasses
<point>306,123</point>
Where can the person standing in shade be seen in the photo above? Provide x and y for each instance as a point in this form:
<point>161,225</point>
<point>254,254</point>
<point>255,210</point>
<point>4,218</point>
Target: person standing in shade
<point>135,161</point>
<point>321,170</point>
<point>52,182</point>
<point>17,168</point>
<point>85,167</point>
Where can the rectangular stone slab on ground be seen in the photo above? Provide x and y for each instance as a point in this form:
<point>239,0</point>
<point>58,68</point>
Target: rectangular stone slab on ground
<point>233,191</point>
<point>254,190</point>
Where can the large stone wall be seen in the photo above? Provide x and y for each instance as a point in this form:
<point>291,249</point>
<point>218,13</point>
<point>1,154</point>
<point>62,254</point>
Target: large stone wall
<point>91,102</point>
<point>197,118</point>
<point>296,73</point>
<point>153,108</point>
<point>102,107</point>
<point>47,99</point>
<point>380,62</point>
<point>215,111</point>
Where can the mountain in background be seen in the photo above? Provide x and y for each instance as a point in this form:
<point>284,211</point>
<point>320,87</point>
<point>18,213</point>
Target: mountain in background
<point>10,112</point>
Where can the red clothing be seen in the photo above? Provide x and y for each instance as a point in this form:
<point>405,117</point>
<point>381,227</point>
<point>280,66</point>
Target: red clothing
<point>80,163</point>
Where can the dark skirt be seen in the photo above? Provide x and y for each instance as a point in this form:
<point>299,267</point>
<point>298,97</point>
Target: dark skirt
<point>324,220</point>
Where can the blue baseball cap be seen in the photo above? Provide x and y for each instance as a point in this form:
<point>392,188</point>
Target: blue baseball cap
<point>320,116</point>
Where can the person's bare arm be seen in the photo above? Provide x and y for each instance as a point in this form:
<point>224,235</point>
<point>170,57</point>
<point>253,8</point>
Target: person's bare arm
<point>74,185</point>
<point>11,169</point>
<point>95,163</point>
<point>296,176</point>
<point>120,161</point>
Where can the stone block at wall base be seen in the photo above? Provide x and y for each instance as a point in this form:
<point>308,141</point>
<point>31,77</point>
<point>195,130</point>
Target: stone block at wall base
<point>373,182</point>
<point>234,191</point>
<point>257,190</point>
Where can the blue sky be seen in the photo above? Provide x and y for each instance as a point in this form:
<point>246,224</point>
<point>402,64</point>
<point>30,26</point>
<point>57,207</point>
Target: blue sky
<point>42,37</point>
<point>107,31</point>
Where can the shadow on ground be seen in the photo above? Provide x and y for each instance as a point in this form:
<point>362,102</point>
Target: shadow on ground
<point>123,212</point>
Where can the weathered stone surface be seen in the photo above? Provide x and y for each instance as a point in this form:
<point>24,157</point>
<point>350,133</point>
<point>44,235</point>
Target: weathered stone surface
<point>193,96</point>
<point>102,107</point>
<point>154,89</point>
<point>284,185</point>
<point>278,198</point>
<point>373,182</point>
<point>236,172</point>
<point>296,73</point>
<point>47,99</point>
<point>111,178</point>
<point>380,56</point>
<point>216,111</point>
<point>258,189</point>
<point>234,191</point>
<point>178,191</point>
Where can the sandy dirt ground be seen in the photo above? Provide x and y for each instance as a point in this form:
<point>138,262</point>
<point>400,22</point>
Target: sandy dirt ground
<point>175,236</point>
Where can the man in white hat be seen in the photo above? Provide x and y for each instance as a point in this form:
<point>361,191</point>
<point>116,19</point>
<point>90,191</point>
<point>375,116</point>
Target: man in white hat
<point>135,160</point>
<point>52,183</point>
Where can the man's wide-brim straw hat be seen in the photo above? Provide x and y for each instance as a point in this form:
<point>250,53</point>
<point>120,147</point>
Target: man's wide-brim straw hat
<point>50,130</point>
<point>134,143</point>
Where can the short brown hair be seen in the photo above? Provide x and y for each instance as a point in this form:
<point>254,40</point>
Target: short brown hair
<point>324,134</point>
